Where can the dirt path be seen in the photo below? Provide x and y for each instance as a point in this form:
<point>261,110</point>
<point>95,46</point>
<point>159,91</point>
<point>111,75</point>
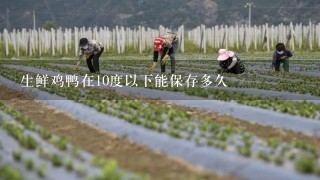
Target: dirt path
<point>130,156</point>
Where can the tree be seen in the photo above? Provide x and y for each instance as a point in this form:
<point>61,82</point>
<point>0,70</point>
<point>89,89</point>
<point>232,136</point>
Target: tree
<point>48,25</point>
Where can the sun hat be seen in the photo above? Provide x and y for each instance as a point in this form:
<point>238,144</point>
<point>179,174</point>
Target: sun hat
<point>224,54</point>
<point>158,43</point>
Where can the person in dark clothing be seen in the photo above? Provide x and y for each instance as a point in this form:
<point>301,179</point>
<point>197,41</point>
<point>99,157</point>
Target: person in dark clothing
<point>165,45</point>
<point>281,55</point>
<point>229,62</point>
<point>92,49</point>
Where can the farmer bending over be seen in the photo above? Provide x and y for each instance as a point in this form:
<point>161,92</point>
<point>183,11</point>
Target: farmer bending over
<point>165,45</point>
<point>281,55</point>
<point>92,50</point>
<point>229,62</point>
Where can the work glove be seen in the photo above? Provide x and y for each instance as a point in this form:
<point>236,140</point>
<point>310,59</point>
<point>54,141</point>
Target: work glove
<point>153,66</point>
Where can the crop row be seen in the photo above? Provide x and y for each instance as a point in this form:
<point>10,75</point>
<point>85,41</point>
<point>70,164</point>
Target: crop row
<point>68,157</point>
<point>302,81</point>
<point>180,124</point>
<point>303,108</point>
<point>9,172</point>
<point>302,84</point>
<point>213,65</point>
<point>255,81</point>
<point>131,67</point>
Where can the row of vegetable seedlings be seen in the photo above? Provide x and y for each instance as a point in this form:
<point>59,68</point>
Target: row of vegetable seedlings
<point>303,108</point>
<point>36,148</point>
<point>205,132</point>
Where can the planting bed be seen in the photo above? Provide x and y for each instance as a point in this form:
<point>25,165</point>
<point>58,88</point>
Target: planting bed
<point>263,125</point>
<point>96,141</point>
<point>40,154</point>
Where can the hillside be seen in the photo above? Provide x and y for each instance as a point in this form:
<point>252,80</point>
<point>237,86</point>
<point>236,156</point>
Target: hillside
<point>153,12</point>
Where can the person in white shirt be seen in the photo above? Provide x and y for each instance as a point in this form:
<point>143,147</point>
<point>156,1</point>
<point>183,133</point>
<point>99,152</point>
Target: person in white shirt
<point>92,49</point>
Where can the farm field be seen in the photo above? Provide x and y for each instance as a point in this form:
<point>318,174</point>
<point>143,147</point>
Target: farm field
<point>125,123</point>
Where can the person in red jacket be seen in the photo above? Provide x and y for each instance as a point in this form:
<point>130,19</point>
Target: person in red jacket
<point>165,45</point>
